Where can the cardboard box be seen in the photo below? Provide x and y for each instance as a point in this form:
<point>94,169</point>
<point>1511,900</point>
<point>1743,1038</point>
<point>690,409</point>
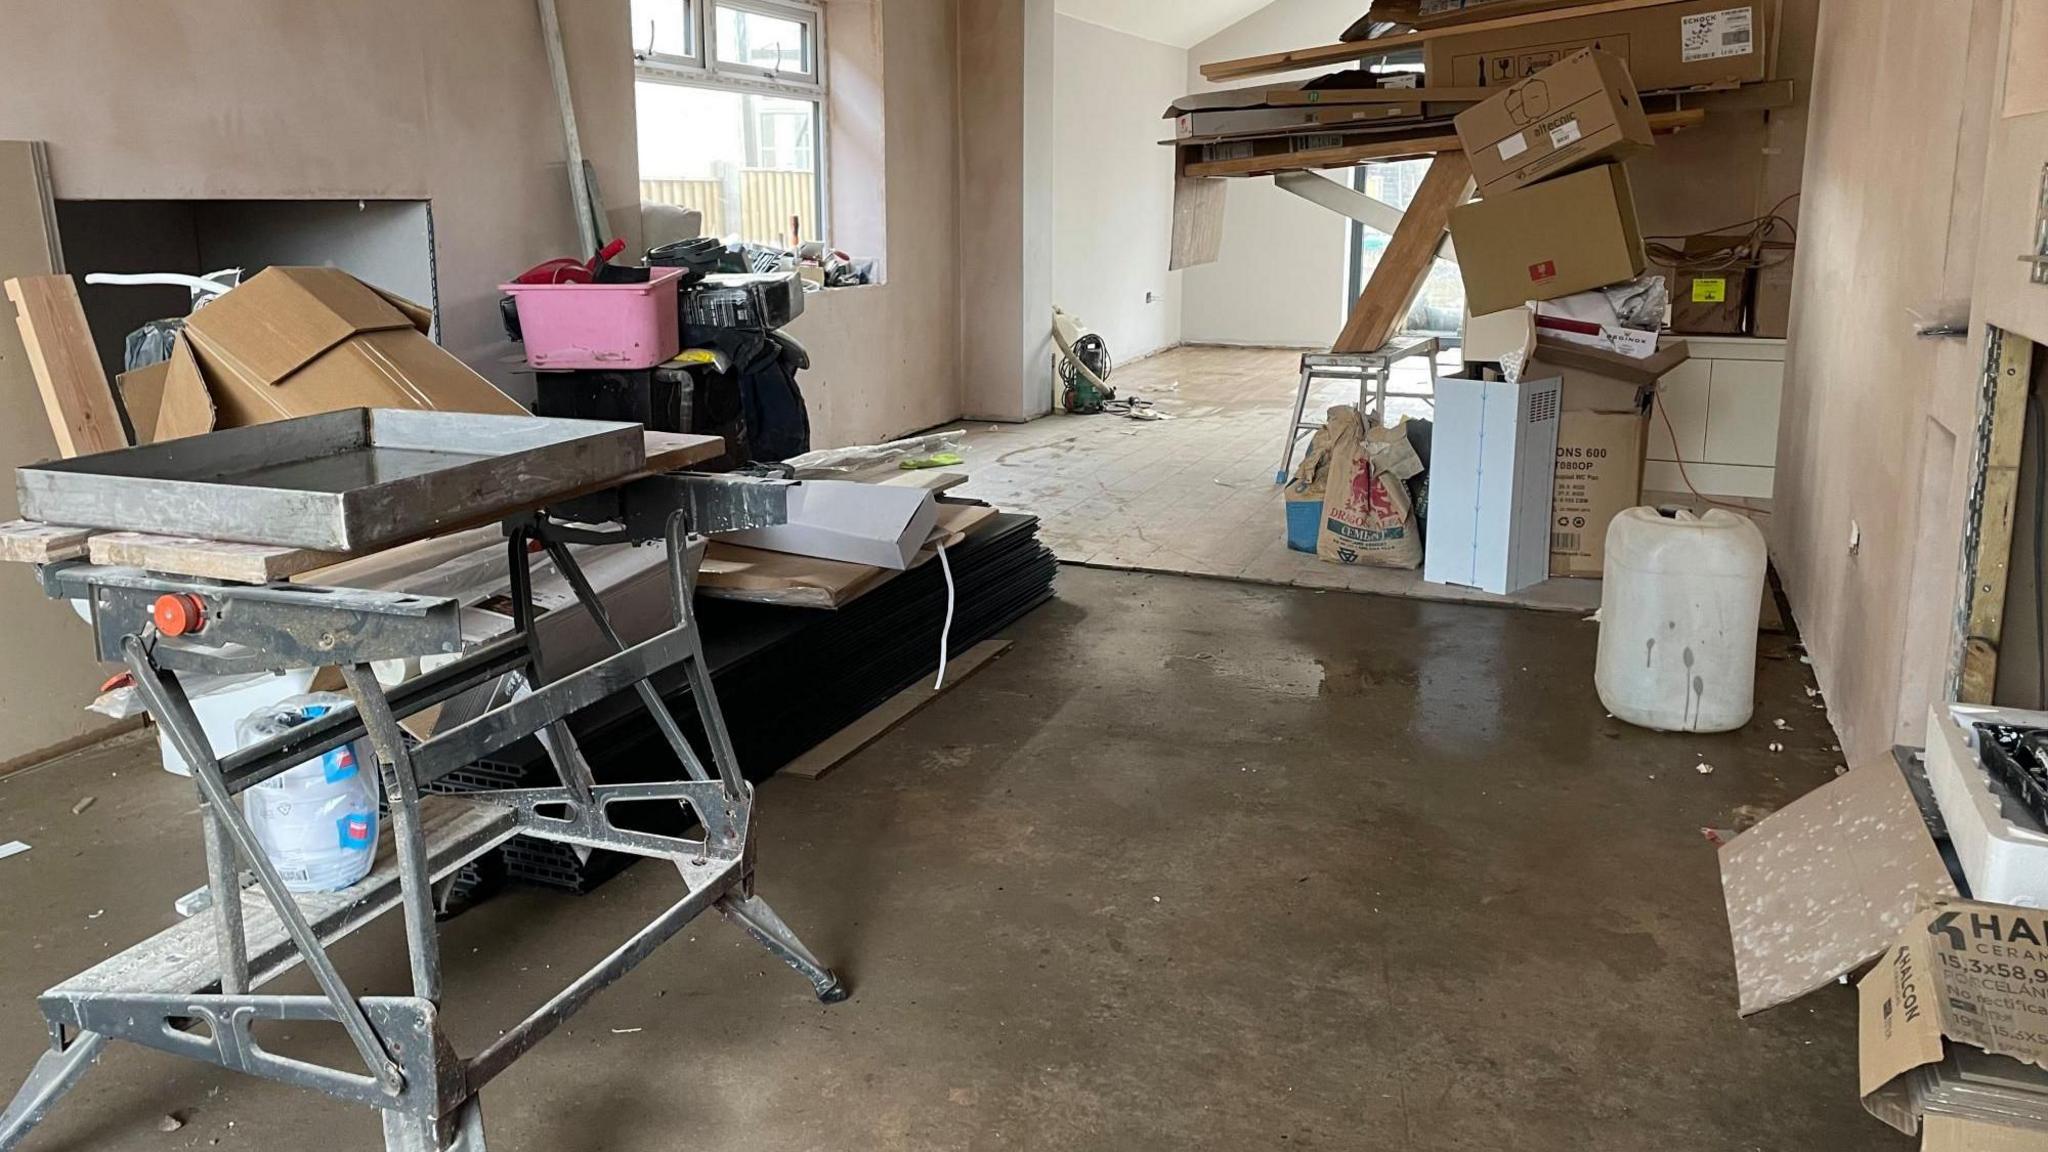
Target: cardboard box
<point>1602,434</point>
<point>1770,309</point>
<point>1603,442</point>
<point>297,341</point>
<point>1963,972</point>
<point>1575,113</point>
<point>1551,239</point>
<point>1599,476</point>
<point>1708,297</point>
<point>1492,455</point>
<point>880,524</point>
<point>1694,44</point>
<point>1955,1134</point>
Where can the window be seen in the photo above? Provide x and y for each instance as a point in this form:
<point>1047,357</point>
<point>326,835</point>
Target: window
<point>730,97</point>
<point>1440,306</point>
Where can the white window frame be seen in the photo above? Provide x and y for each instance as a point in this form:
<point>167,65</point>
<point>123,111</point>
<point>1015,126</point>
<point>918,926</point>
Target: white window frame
<point>701,68</point>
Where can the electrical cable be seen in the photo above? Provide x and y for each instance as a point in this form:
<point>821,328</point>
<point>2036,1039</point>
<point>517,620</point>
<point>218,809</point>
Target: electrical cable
<point>945,630</point>
<point>1744,244</point>
<point>1685,479</point>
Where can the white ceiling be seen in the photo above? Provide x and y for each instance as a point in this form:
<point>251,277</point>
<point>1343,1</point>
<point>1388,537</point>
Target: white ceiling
<point>1181,23</point>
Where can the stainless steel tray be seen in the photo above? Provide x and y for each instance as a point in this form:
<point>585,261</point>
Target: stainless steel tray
<point>348,481</point>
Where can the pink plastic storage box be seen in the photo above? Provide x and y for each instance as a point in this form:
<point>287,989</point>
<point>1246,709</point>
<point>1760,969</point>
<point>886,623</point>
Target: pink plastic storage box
<point>599,325</point>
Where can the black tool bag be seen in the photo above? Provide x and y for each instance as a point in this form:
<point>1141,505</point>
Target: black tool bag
<point>766,363</point>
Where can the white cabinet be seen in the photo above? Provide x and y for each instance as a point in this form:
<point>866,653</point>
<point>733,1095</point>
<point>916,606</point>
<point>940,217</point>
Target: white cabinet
<point>1722,412</point>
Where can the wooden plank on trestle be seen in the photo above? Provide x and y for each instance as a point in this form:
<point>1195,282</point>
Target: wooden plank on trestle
<point>210,559</point>
<point>1406,261</point>
<point>30,542</point>
<point>674,451</point>
<point>76,397</point>
<point>1325,55</point>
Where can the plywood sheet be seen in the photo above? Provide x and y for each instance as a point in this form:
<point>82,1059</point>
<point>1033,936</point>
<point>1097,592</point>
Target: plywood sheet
<point>73,385</point>
<point>1825,884</point>
<point>1197,221</point>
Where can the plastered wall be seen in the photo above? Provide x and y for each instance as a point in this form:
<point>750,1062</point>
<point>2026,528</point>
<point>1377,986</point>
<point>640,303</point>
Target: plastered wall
<point>1114,185</point>
<point>270,99</point>
<point>1874,445</point>
<point>448,102</point>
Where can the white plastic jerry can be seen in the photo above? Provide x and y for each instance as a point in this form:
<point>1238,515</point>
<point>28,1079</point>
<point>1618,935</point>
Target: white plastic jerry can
<point>1678,619</point>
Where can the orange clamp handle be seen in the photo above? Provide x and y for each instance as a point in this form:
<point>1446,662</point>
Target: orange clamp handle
<point>179,614</point>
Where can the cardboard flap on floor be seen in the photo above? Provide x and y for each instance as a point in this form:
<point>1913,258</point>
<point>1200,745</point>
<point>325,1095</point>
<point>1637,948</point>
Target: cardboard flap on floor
<point>873,524</point>
<point>1961,973</point>
<point>1825,884</point>
<point>298,341</point>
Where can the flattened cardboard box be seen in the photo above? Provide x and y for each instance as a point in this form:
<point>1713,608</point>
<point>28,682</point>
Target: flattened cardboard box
<point>1963,973</point>
<point>1580,111</point>
<point>1307,118</point>
<point>1440,13</point>
<point>1697,44</point>
<point>1551,239</point>
<point>298,341</point>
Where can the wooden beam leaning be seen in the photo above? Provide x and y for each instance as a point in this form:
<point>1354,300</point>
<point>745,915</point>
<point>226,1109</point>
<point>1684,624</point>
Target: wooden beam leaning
<point>1405,262</point>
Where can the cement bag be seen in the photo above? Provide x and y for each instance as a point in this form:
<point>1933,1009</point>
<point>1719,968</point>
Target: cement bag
<point>1367,515</point>
<point>1304,497</point>
<point>317,821</point>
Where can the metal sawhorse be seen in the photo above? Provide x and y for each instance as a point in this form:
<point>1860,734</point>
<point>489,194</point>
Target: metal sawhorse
<point>1374,372</point>
<point>192,989</point>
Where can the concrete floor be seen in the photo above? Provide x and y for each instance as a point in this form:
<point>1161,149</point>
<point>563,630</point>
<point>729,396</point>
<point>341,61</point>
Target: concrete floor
<point>1198,864</point>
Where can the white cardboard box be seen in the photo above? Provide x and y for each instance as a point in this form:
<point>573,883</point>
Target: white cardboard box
<point>2004,854</point>
<point>880,524</point>
<point>1492,459</point>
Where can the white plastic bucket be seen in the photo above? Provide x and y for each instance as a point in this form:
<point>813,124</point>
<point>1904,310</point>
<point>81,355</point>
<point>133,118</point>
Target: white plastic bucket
<point>316,821</point>
<point>1678,618</point>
